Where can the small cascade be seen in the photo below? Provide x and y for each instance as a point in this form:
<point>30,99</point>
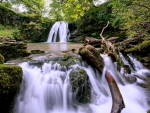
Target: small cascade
<point>59,32</point>
<point>48,90</point>
<point>137,65</point>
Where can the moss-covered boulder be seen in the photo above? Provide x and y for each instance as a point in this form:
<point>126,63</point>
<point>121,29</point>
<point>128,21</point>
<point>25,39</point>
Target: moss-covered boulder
<point>80,84</point>
<point>1,59</point>
<point>12,50</point>
<point>10,79</point>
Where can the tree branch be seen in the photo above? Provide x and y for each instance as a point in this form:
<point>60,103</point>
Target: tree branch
<point>103,31</point>
<point>118,103</point>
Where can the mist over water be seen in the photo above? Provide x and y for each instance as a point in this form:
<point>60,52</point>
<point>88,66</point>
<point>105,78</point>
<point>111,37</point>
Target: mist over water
<point>48,90</point>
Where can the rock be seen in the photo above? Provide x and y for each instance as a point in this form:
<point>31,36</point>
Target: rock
<point>112,56</point>
<point>12,50</point>
<point>37,51</point>
<point>1,59</point>
<point>10,80</point>
<point>80,84</point>
<point>131,79</point>
<point>127,69</point>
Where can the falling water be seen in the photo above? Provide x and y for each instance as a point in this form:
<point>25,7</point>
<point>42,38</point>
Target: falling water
<point>48,90</point>
<point>59,32</point>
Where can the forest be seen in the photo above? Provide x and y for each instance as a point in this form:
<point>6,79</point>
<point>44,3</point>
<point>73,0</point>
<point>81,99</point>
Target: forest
<point>128,18</point>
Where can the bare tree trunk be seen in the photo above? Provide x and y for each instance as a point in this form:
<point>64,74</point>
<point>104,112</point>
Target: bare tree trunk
<point>118,103</point>
<point>92,41</point>
<point>92,56</point>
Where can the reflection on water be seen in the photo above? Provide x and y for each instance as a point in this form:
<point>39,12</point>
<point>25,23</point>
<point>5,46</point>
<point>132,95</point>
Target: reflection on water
<point>53,47</point>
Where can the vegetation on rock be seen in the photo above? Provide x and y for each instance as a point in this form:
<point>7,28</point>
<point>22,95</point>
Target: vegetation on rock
<point>10,79</point>
<point>1,59</point>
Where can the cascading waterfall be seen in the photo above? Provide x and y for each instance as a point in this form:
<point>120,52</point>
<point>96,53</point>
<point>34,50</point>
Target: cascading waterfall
<point>48,90</point>
<point>59,32</point>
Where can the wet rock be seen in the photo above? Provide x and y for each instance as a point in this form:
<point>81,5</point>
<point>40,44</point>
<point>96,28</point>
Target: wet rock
<point>127,69</point>
<point>112,56</point>
<point>80,85</point>
<point>131,79</point>
<point>12,50</point>
<point>37,51</point>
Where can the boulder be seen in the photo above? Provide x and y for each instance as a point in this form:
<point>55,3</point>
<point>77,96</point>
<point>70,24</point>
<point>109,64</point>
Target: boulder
<point>80,85</point>
<point>12,50</point>
<point>10,80</point>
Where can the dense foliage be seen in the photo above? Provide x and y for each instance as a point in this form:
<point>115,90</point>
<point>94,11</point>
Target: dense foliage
<point>131,16</point>
<point>135,15</point>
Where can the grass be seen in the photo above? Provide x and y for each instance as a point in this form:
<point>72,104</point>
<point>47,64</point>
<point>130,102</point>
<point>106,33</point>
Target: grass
<point>6,31</point>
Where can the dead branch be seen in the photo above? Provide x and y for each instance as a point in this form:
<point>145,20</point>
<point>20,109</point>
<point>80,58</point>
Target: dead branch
<point>103,31</point>
<point>118,103</point>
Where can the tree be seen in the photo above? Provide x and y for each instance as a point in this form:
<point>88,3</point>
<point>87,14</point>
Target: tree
<point>136,15</point>
<point>32,6</point>
<point>70,10</point>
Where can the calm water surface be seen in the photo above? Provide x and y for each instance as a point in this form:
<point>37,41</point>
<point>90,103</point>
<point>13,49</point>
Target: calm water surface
<point>53,47</point>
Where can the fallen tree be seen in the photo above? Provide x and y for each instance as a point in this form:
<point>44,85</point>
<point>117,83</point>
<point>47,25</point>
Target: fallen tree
<point>92,56</point>
<point>97,42</point>
<point>118,103</point>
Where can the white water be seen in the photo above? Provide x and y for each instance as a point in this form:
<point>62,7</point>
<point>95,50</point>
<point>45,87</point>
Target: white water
<point>48,90</point>
<point>59,32</point>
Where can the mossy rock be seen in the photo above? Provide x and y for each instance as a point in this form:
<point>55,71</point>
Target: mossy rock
<point>80,83</point>
<point>37,51</point>
<point>1,59</point>
<point>68,60</point>
<point>148,111</point>
<point>10,79</point>
<point>13,50</point>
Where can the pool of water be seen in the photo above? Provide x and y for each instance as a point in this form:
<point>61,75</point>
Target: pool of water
<point>53,47</point>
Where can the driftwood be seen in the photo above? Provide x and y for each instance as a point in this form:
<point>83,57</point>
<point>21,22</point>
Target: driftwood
<point>97,42</point>
<point>92,41</point>
<point>107,44</point>
<point>118,103</point>
<point>92,56</point>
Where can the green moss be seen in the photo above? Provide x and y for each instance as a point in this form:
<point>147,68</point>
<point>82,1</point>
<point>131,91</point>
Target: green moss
<point>148,111</point>
<point>67,61</point>
<point>1,59</point>
<point>10,79</point>
<point>81,71</point>
<point>138,46</point>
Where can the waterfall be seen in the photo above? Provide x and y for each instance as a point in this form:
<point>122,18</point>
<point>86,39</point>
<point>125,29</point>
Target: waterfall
<point>47,89</point>
<point>59,32</point>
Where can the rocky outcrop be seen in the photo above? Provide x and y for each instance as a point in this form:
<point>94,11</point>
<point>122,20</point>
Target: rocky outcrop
<point>6,39</point>
<point>12,50</point>
<point>10,79</point>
